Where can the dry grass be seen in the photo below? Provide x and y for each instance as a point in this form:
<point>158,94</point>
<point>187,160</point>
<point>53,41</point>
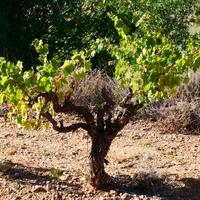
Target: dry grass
<point>180,114</point>
<point>88,91</point>
<point>194,28</point>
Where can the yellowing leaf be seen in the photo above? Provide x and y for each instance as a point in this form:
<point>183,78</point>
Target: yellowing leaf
<point>66,63</point>
<point>147,87</point>
<point>1,98</point>
<point>68,67</point>
<point>46,126</point>
<point>79,75</point>
<point>87,65</point>
<point>4,79</point>
<point>68,93</point>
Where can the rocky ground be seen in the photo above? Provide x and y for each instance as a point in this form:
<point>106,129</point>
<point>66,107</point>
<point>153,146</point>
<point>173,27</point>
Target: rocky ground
<point>145,162</point>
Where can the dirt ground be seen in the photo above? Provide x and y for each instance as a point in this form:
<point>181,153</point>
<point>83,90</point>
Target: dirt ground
<point>144,163</point>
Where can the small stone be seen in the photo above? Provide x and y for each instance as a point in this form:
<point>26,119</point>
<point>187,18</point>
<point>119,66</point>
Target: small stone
<point>174,163</point>
<point>106,194</point>
<point>113,192</point>
<point>124,196</point>
<point>49,185</point>
<point>6,165</point>
<point>64,177</point>
<point>11,152</point>
<point>64,186</point>
<point>56,196</point>
<point>80,192</point>
<point>13,189</point>
<point>57,187</point>
<point>74,178</point>
<point>82,179</point>
<point>39,188</point>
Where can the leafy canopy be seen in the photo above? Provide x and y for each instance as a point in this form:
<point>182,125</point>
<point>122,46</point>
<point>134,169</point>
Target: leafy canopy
<point>149,63</point>
<point>24,90</point>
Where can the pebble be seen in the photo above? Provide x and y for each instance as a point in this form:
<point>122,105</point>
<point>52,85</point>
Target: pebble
<point>64,177</point>
<point>39,188</point>
<point>48,185</point>
<point>82,179</point>
<point>113,192</point>
<point>124,196</point>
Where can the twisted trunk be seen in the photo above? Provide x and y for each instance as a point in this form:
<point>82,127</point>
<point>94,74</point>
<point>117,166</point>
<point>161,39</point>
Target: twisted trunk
<point>102,141</point>
<point>97,175</point>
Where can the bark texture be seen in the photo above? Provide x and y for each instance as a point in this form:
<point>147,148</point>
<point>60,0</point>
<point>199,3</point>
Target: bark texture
<point>97,175</point>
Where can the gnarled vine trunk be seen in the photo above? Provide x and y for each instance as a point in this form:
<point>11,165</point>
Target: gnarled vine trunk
<point>97,175</point>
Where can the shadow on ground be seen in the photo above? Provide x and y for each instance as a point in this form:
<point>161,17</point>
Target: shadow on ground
<point>30,176</point>
<point>162,187</point>
<point>142,184</point>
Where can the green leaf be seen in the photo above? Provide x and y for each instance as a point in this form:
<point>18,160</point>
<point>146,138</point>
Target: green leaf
<point>79,75</point>
<point>150,42</point>
<point>40,48</point>
<point>19,119</point>
<point>78,57</point>
<point>60,95</point>
<point>4,79</point>
<point>19,65</point>
<point>186,79</point>
<point>181,65</point>
<point>147,87</point>
<point>118,23</point>
<point>1,98</point>
<point>93,52</point>
<point>68,67</point>
<point>87,65</point>
<point>45,83</point>
<point>174,81</point>
<point>100,47</point>
<point>196,64</point>
<point>46,126</point>
<point>173,92</point>
<point>27,125</point>
<point>133,85</point>
<point>141,99</point>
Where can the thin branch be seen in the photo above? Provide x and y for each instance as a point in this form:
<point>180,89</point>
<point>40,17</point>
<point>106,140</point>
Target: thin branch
<point>107,99</point>
<point>64,129</point>
<point>123,103</point>
<point>100,115</point>
<point>108,120</point>
<point>125,117</point>
<point>70,107</point>
<point>66,107</point>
